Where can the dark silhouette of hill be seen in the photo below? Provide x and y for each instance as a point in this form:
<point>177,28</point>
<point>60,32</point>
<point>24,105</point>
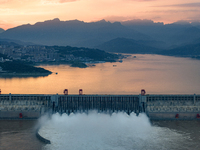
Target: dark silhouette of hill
<point>14,42</point>
<point>192,50</point>
<point>73,33</point>
<point>134,36</point>
<point>196,41</point>
<point>174,35</point>
<point>186,36</point>
<point>1,30</point>
<point>21,67</point>
<point>128,46</point>
<point>10,43</point>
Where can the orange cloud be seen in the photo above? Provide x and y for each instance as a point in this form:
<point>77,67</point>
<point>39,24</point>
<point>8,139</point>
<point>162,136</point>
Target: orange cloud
<point>19,12</point>
<point>182,5</point>
<point>65,1</point>
<point>141,0</point>
<point>57,1</point>
<point>5,1</point>
<point>6,25</point>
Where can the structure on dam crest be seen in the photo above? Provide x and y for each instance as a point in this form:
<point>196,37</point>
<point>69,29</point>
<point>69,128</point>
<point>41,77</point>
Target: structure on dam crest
<point>32,106</point>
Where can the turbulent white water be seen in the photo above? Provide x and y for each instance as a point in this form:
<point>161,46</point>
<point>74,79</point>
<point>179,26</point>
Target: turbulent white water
<point>98,131</point>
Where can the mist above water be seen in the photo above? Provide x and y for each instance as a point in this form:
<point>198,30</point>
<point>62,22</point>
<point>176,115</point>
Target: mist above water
<point>99,131</point>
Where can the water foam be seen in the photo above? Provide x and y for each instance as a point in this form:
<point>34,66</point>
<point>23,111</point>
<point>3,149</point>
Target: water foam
<point>99,131</point>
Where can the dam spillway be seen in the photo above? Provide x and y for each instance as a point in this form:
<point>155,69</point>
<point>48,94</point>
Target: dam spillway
<point>32,106</point>
<point>101,103</point>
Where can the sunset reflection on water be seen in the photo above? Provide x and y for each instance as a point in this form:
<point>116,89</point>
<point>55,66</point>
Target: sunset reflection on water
<point>157,74</point>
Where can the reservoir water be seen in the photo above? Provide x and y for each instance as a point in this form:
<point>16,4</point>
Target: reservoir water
<point>156,74</point>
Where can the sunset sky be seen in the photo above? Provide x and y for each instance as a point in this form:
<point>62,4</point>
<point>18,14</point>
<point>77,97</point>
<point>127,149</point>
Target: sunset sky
<point>18,12</point>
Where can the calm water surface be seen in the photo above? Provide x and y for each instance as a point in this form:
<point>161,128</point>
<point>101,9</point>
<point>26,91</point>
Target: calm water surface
<point>19,135</point>
<point>157,74</point>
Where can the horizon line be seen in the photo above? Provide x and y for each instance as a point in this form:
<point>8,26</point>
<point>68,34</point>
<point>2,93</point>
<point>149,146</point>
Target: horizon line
<point>178,21</point>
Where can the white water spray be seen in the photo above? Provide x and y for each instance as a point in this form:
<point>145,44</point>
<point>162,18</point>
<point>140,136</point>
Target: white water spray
<point>99,131</point>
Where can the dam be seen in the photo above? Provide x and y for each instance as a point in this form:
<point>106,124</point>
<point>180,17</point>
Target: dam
<point>32,106</point>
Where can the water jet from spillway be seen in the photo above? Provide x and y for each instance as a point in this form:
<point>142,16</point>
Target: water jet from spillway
<point>102,131</point>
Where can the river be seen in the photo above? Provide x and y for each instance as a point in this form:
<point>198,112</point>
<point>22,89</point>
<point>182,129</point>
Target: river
<point>156,74</point>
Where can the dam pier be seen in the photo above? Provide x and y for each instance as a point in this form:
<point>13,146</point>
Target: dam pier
<point>160,107</point>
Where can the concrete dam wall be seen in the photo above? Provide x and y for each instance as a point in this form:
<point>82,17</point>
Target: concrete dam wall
<point>24,106</point>
<point>173,106</point>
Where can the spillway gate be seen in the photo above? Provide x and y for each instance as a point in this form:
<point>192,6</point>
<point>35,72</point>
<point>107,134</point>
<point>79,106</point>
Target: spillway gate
<point>100,103</point>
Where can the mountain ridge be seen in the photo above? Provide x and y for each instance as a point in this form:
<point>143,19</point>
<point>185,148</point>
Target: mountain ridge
<point>74,33</point>
<point>127,45</point>
<point>144,34</point>
<point>1,30</point>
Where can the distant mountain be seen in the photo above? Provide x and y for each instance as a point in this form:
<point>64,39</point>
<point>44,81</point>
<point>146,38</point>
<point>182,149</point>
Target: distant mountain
<point>139,22</point>
<point>196,41</point>
<point>1,30</point>
<point>186,36</point>
<point>8,43</point>
<point>187,50</point>
<point>174,35</point>
<point>145,35</point>
<point>73,33</point>
<point>124,45</point>
<point>14,42</point>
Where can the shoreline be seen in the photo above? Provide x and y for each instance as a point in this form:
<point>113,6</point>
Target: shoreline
<point>7,74</point>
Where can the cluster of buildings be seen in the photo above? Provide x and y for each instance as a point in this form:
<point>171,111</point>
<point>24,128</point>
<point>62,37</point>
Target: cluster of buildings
<point>35,53</point>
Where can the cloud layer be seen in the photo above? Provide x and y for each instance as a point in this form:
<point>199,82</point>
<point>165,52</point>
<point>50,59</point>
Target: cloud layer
<point>189,5</point>
<point>19,12</point>
<point>57,1</point>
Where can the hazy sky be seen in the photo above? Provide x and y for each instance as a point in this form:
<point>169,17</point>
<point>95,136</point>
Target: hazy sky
<point>17,12</point>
